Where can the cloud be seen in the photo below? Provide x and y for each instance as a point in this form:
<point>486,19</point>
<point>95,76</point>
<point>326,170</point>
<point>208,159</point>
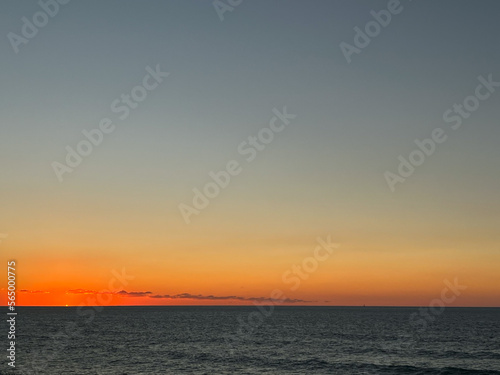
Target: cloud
<point>199,297</point>
<point>223,298</point>
<point>132,294</point>
<point>32,291</point>
<point>83,291</point>
<point>122,293</point>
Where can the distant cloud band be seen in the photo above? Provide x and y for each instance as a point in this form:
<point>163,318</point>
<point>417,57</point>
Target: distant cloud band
<point>124,293</point>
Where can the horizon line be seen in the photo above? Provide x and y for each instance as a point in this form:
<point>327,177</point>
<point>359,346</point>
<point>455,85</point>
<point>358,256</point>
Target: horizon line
<point>280,305</point>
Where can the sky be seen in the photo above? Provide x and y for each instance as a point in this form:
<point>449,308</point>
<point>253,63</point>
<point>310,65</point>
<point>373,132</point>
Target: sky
<point>121,227</point>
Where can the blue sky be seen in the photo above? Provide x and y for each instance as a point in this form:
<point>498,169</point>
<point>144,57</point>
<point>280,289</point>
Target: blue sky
<point>324,173</point>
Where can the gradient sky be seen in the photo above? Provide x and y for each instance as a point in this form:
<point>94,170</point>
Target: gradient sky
<point>322,176</point>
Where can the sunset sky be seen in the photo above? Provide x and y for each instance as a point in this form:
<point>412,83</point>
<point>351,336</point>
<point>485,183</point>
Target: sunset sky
<point>323,175</point>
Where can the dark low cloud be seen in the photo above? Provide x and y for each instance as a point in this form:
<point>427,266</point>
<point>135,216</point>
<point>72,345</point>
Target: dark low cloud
<point>81,291</point>
<point>32,291</point>
<point>133,294</point>
<point>123,293</point>
<point>224,298</point>
<point>199,297</point>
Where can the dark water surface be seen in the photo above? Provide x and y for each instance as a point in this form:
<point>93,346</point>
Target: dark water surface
<point>288,340</point>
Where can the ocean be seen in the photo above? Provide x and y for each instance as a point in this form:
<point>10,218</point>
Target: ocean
<point>248,340</point>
